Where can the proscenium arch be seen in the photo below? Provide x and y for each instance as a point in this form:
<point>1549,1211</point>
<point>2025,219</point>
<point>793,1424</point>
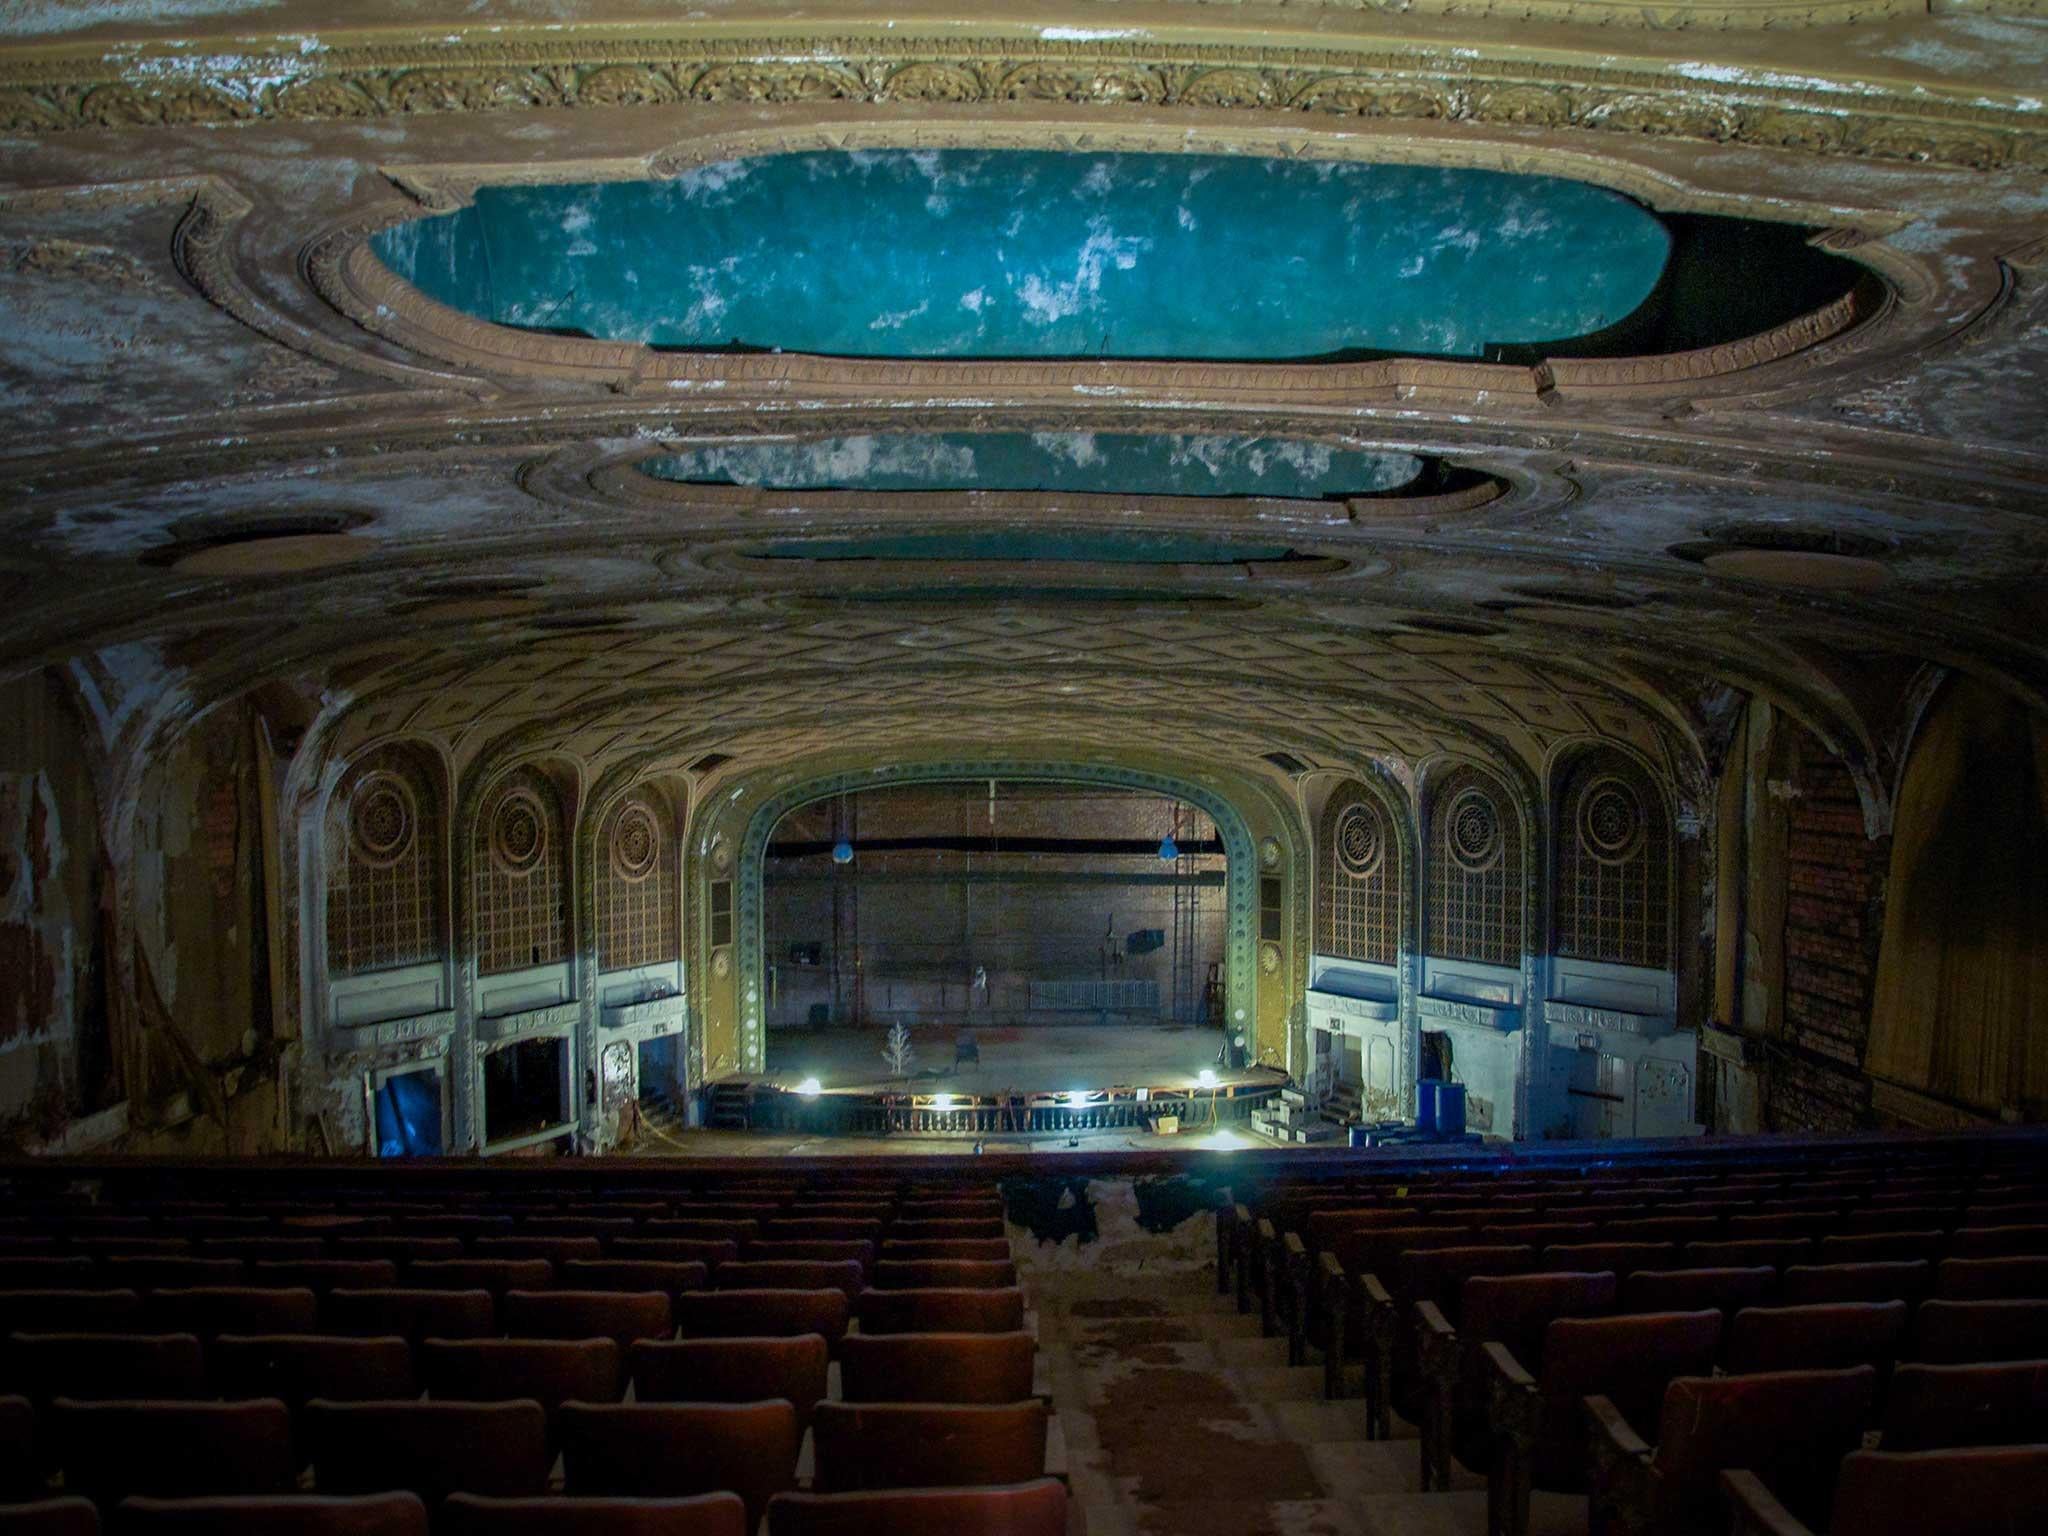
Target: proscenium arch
<point>1240,958</point>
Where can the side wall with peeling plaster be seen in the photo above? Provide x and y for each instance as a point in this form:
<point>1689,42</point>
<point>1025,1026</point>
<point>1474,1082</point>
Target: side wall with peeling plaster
<point>56,1056</point>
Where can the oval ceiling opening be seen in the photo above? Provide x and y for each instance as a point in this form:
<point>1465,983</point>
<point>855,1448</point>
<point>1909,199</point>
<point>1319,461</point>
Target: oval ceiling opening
<point>1022,253</point>
<point>1084,463</point>
<point>1025,545</point>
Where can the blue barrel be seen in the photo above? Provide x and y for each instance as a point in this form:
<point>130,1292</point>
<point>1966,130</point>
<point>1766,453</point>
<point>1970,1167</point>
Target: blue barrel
<point>1361,1136</point>
<point>1450,1109</point>
<point>1425,1103</point>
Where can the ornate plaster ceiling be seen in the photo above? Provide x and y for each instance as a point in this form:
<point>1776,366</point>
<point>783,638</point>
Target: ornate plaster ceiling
<point>236,460</point>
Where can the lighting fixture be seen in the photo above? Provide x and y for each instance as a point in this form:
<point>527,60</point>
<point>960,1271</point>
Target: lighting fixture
<point>842,852</point>
<point>1169,850</point>
<point>810,1087</point>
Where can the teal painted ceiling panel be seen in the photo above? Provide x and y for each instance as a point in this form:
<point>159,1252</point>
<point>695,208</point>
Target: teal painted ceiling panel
<point>1020,544</point>
<point>1016,253</point>
<point>1131,464</point>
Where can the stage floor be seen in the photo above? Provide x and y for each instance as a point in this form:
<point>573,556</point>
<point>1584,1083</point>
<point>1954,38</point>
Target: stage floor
<point>1038,1058</point>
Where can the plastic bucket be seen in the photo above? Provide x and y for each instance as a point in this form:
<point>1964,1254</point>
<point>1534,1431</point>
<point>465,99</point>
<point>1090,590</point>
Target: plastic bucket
<point>1450,1109</point>
<point>1425,1103</point>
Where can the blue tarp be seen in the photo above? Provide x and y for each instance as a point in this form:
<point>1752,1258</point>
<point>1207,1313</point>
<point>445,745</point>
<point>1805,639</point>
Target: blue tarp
<point>409,1116</point>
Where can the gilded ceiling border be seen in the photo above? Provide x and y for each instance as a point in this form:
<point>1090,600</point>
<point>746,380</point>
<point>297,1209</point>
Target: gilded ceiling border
<point>347,274</point>
<point>52,90</point>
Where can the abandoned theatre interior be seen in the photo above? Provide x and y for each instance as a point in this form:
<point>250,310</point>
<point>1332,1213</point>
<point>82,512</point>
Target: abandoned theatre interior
<point>1154,767</point>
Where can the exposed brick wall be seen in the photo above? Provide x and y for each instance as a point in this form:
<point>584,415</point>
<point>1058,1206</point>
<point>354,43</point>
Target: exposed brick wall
<point>1831,926</point>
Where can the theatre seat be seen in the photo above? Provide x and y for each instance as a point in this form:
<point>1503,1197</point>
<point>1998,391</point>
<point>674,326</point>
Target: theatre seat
<point>1929,1407</point>
<point>751,1274</point>
<point>937,1367</point>
<point>1906,1280</point>
<point>1687,1290</point>
<point>108,1451</point>
<point>668,1277</point>
<point>68,1311</point>
<point>549,1371</point>
<point>21,1466</point>
<point>708,1251</point>
<point>432,1449</point>
<point>298,1367</point>
<point>2018,1277</point>
<point>322,1275</point>
<point>1035,1508</point>
<point>412,1313</point>
<point>212,1310</point>
<point>53,1517</point>
<point>494,1275</point>
<point>1964,1332</point>
<point>621,1316</point>
<point>377,1514</point>
<point>105,1367</point>
<point>982,1248</point>
<point>936,1274</point>
<point>1792,1428</point>
<point>1978,1492</point>
<point>926,1445</point>
<point>707,1514</point>
<point>1537,1419</point>
<point>758,1314</point>
<point>740,1370</point>
<point>667,1450</point>
<point>1830,1336</point>
<point>941,1311</point>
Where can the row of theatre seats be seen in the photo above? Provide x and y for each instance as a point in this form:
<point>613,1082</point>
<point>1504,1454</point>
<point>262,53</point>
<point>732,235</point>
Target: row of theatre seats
<point>503,1361</point>
<point>1845,1344</point>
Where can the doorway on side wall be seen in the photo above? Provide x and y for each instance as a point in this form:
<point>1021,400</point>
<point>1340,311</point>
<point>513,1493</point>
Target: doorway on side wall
<point>408,1112</point>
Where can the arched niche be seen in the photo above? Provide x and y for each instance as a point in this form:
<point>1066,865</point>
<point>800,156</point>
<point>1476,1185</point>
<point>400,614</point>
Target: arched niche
<point>1611,896</point>
<point>384,928</point>
<point>1361,1038</point>
<point>521,941</point>
<point>1959,1017</point>
<point>638,896</point>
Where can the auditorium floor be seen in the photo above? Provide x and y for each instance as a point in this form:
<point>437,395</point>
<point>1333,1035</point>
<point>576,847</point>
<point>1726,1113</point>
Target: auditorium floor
<point>1179,1420</point>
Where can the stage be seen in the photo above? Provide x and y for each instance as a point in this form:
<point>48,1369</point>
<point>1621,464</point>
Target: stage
<point>1054,1079</point>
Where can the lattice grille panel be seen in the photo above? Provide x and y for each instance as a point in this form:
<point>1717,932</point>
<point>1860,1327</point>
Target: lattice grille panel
<point>636,888</point>
<point>1475,871</point>
<point>522,908</point>
<point>1359,879</point>
<point>1613,865</point>
<point>383,867</point>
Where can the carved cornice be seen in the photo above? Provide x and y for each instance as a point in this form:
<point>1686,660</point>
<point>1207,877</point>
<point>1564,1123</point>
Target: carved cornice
<point>506,69</point>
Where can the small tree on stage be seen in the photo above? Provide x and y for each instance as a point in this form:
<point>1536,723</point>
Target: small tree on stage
<point>898,1052</point>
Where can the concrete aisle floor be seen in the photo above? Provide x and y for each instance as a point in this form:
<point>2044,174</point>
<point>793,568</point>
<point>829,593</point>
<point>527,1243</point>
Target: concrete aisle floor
<point>1179,1420</point>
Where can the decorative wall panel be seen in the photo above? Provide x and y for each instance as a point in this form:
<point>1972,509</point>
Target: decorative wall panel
<point>1360,876</point>
<point>384,904</point>
<point>1474,871</point>
<point>521,891</point>
<point>1613,899</point>
<point>636,887</point>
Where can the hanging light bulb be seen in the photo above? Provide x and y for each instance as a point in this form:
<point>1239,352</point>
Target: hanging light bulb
<point>842,852</point>
<point>1169,850</point>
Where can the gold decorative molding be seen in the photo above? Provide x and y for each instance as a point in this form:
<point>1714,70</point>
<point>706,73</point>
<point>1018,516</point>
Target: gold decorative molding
<point>513,69</point>
<point>345,271</point>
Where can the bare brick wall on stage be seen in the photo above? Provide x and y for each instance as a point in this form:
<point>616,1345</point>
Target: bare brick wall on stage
<point>1833,879</point>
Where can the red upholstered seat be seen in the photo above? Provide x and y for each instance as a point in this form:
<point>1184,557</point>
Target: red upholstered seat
<point>549,1371</point>
<point>1928,1407</point>
<point>50,1517</point>
<point>936,1367</point>
<point>156,1271</point>
<point>622,1316</point>
<point>210,1310</point>
<point>1978,1492</point>
<point>614,1274</point>
<point>706,1514</point>
<point>400,1249</point>
<point>737,1370</point>
<point>411,1312</point>
<point>679,1449</point>
<point>708,1251</point>
<point>765,1313</point>
<point>297,1367</point>
<point>376,1514</point>
<point>1989,1242</point>
<point>1687,1290</point>
<point>929,1274</point>
<point>925,1445</point>
<point>494,1275</point>
<point>1623,1259</point>
<point>1746,1252</point>
<point>1877,1247</point>
<point>173,1449</point>
<point>432,1449</point>
<point>1905,1280</point>
<point>984,1248</point>
<point>1036,1508</point>
<point>941,1311</point>
<point>67,1311</point>
<point>749,1274</point>
<point>2018,1277</point>
<point>521,1245</point>
<point>1790,1427</point>
<point>1962,1332</point>
<point>322,1275</point>
<point>21,1468</point>
<point>104,1367</point>
<point>841,1229</point>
